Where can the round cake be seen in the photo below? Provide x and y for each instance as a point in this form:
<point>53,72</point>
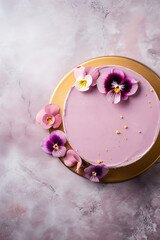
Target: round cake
<point>111,115</point>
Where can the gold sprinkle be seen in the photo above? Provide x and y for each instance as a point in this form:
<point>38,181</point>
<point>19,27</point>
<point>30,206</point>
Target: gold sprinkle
<point>117,132</point>
<point>139,131</point>
<point>151,90</point>
<point>100,161</point>
<point>137,81</point>
<point>125,138</point>
<point>150,106</point>
<point>106,150</point>
<point>145,94</point>
<point>119,146</point>
<point>149,102</point>
<point>121,117</point>
<point>125,126</point>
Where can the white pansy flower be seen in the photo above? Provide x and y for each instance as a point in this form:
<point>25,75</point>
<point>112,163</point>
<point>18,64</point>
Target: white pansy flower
<point>83,83</point>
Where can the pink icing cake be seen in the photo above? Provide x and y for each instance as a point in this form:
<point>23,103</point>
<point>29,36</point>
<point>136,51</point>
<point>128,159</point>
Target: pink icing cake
<point>112,115</point>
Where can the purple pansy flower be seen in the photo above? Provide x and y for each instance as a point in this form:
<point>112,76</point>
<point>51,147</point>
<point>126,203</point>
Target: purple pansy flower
<point>116,85</point>
<point>94,173</point>
<point>55,144</point>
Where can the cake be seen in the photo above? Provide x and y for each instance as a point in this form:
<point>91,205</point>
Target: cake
<point>111,119</point>
<point>116,132</point>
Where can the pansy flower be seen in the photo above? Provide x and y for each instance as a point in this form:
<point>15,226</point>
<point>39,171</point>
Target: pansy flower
<point>116,85</point>
<point>49,116</point>
<point>55,144</point>
<point>85,77</point>
<point>94,173</point>
<point>71,159</point>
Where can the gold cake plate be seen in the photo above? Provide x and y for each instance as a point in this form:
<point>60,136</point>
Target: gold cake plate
<point>61,91</point>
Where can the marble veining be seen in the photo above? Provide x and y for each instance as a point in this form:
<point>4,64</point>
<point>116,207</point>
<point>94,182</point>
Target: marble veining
<point>40,41</point>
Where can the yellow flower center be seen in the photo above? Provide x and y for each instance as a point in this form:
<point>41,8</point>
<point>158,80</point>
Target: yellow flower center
<point>93,173</point>
<point>117,89</point>
<point>56,146</point>
<point>49,119</point>
<point>82,83</point>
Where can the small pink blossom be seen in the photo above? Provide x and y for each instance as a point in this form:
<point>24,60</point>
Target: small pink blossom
<point>49,116</point>
<point>71,159</point>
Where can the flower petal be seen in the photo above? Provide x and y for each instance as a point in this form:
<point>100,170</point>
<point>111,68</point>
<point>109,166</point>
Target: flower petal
<point>72,158</point>
<point>58,120</point>
<point>46,126</point>
<point>47,146</point>
<point>80,78</point>
<point>80,88</point>
<point>127,85</point>
<point>84,89</point>
<point>105,170</point>
<point>79,71</point>
<point>101,170</point>
<point>111,80</point>
<point>94,72</point>
<point>79,165</point>
<point>124,97</point>
<point>55,139</point>
<point>52,109</point>
<point>45,120</point>
<point>40,115</point>
<point>110,96</point>
<point>88,78</point>
<point>117,97</point>
<point>119,72</point>
<point>133,89</point>
<point>58,137</point>
<point>133,80</point>
<point>59,152</point>
<point>94,179</point>
<point>101,80</point>
<point>100,85</point>
<point>88,171</point>
<point>69,159</point>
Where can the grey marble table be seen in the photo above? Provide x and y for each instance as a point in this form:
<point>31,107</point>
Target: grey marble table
<point>40,41</point>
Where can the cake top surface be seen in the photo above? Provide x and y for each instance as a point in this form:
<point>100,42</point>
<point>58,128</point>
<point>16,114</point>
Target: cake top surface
<point>116,134</point>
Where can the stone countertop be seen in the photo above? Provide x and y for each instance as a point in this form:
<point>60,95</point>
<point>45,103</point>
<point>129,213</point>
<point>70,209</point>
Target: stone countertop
<point>40,41</point>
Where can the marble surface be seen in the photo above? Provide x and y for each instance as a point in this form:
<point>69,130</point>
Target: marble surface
<point>40,41</point>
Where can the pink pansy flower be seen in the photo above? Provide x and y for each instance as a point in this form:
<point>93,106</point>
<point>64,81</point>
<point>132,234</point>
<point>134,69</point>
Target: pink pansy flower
<point>116,85</point>
<point>55,144</point>
<point>85,77</point>
<point>94,173</point>
<point>72,158</point>
<point>49,117</point>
